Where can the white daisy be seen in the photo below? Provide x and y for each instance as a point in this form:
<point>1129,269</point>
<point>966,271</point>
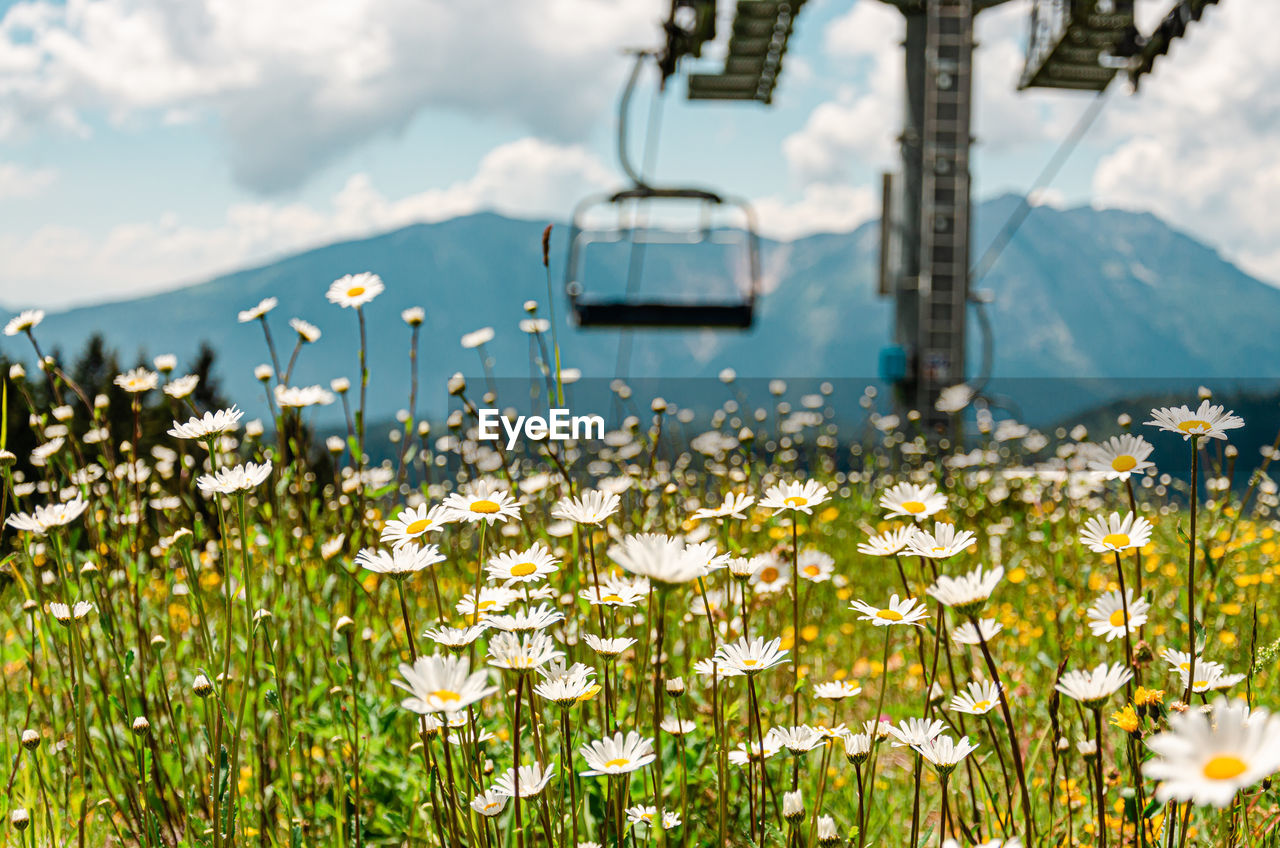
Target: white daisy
<point>239,478</point>
<point>591,507</point>
<point>355,290</point>
<point>617,754</point>
<point>63,614</point>
<point>887,543</point>
<point>735,505</point>
<point>539,618</point>
<point>908,611</point>
<point>799,497</point>
<point>613,592</point>
<point>750,656</point>
<point>528,566</point>
<point>301,397</point>
<point>182,386</point>
<point>644,815</point>
<point>399,562</point>
<point>966,594</point>
<point>944,754</point>
<point>532,779</point>
<point>816,566</point>
<point>522,652</point>
<point>138,381</point>
<point>981,697</point>
<point>771,575</point>
<point>484,502</point>
<point>492,599</point>
<point>1208,420</point>
<point>210,424</point>
<point>915,731</point>
<point>1207,759</point>
<point>25,320</point>
<point>44,518</point>
<point>966,634</point>
<point>911,501</point>
<point>476,338</point>
<point>455,637</point>
<point>442,683</point>
<point>412,524</point>
<point>797,740</point>
<point>666,559</point>
<point>566,685</point>
<point>1107,618</point>
<point>1111,534</point>
<point>1093,688</point>
<point>607,647</point>
<point>1120,456</point>
<point>945,541</point>
<point>835,690</point>
<point>253,314</point>
<point>307,332</point>
<point>489,803</point>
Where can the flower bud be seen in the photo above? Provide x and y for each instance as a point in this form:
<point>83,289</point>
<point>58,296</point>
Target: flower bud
<point>141,727</point>
<point>201,686</point>
<point>30,739</point>
<point>20,819</point>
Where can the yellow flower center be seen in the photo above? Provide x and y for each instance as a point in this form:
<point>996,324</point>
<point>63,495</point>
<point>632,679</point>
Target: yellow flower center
<point>981,706</point>
<point>486,604</point>
<point>768,574</point>
<point>355,291</point>
<point>1116,540</point>
<point>491,805</point>
<point>416,527</point>
<point>913,507</point>
<point>523,569</point>
<point>937,549</point>
<point>1195,425</point>
<point>1186,666</point>
<point>617,762</point>
<point>446,695</point>
<point>1123,463</point>
<point>1224,767</point>
<point>1117,618</point>
<point>812,570</point>
<point>591,692</point>
<point>750,662</point>
<point>796,500</point>
<point>616,599</point>
<point>485,507</point>
<point>889,615</point>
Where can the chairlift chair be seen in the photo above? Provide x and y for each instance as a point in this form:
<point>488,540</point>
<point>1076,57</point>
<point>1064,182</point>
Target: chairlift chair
<point>634,310</point>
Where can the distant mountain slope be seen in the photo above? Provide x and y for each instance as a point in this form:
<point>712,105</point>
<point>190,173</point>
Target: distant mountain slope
<point>1079,293</point>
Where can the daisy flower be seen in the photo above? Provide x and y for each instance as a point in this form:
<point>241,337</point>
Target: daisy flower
<point>750,656</point>
<point>522,652</point>
<point>663,558</point>
<point>25,320</point>
<point>210,424</point>
<point>735,505</point>
<point>527,567</point>
<point>307,332</point>
<point>945,541</point>
<point>797,740</point>
<point>475,338</point>
<point>915,731</point>
<point>857,747</point>
<point>887,543</point>
<point>182,386</point>
<point>835,690</point>
<point>355,290</point>
<point>771,574</point>
<point>607,647</point>
<point>911,501</point>
<point>617,754</point>
<point>799,497</point>
<point>753,752</point>
<point>412,524</point>
<point>301,397</point>
<point>1211,677</point>
<point>1107,618</point>
<point>714,668</point>
<point>980,697</point>
<point>492,599</point>
<point>1208,420</point>
<point>816,566</point>
<point>944,754</point>
<point>793,806</point>
<point>137,381</point>
<point>967,634</point>
<point>253,314</point>
<point>1114,534</point>
<point>966,594</point>
<point>44,518</point>
<point>1120,456</point>
<point>539,618</point>
<point>64,614</point>
<point>616,593</point>
<point>591,507</point>
<point>485,502</point>
<point>908,611</point>
<point>1093,688</point>
<point>1207,759</point>
<point>230,481</point>
<point>442,683</point>
<point>400,562</point>
<point>532,780</point>
<point>489,803</point>
<point>644,815</point>
<point>565,685</point>
<point>455,637</point>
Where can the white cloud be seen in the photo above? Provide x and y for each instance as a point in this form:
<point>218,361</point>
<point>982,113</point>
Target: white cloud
<point>16,181</point>
<point>525,178</point>
<point>822,208</point>
<point>1197,145</point>
<point>291,88</point>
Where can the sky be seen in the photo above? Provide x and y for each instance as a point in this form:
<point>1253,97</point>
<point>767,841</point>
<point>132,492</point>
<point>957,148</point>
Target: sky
<point>149,144</point>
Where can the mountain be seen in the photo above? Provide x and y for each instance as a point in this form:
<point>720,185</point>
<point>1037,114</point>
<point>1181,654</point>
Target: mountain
<point>1089,302</point>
